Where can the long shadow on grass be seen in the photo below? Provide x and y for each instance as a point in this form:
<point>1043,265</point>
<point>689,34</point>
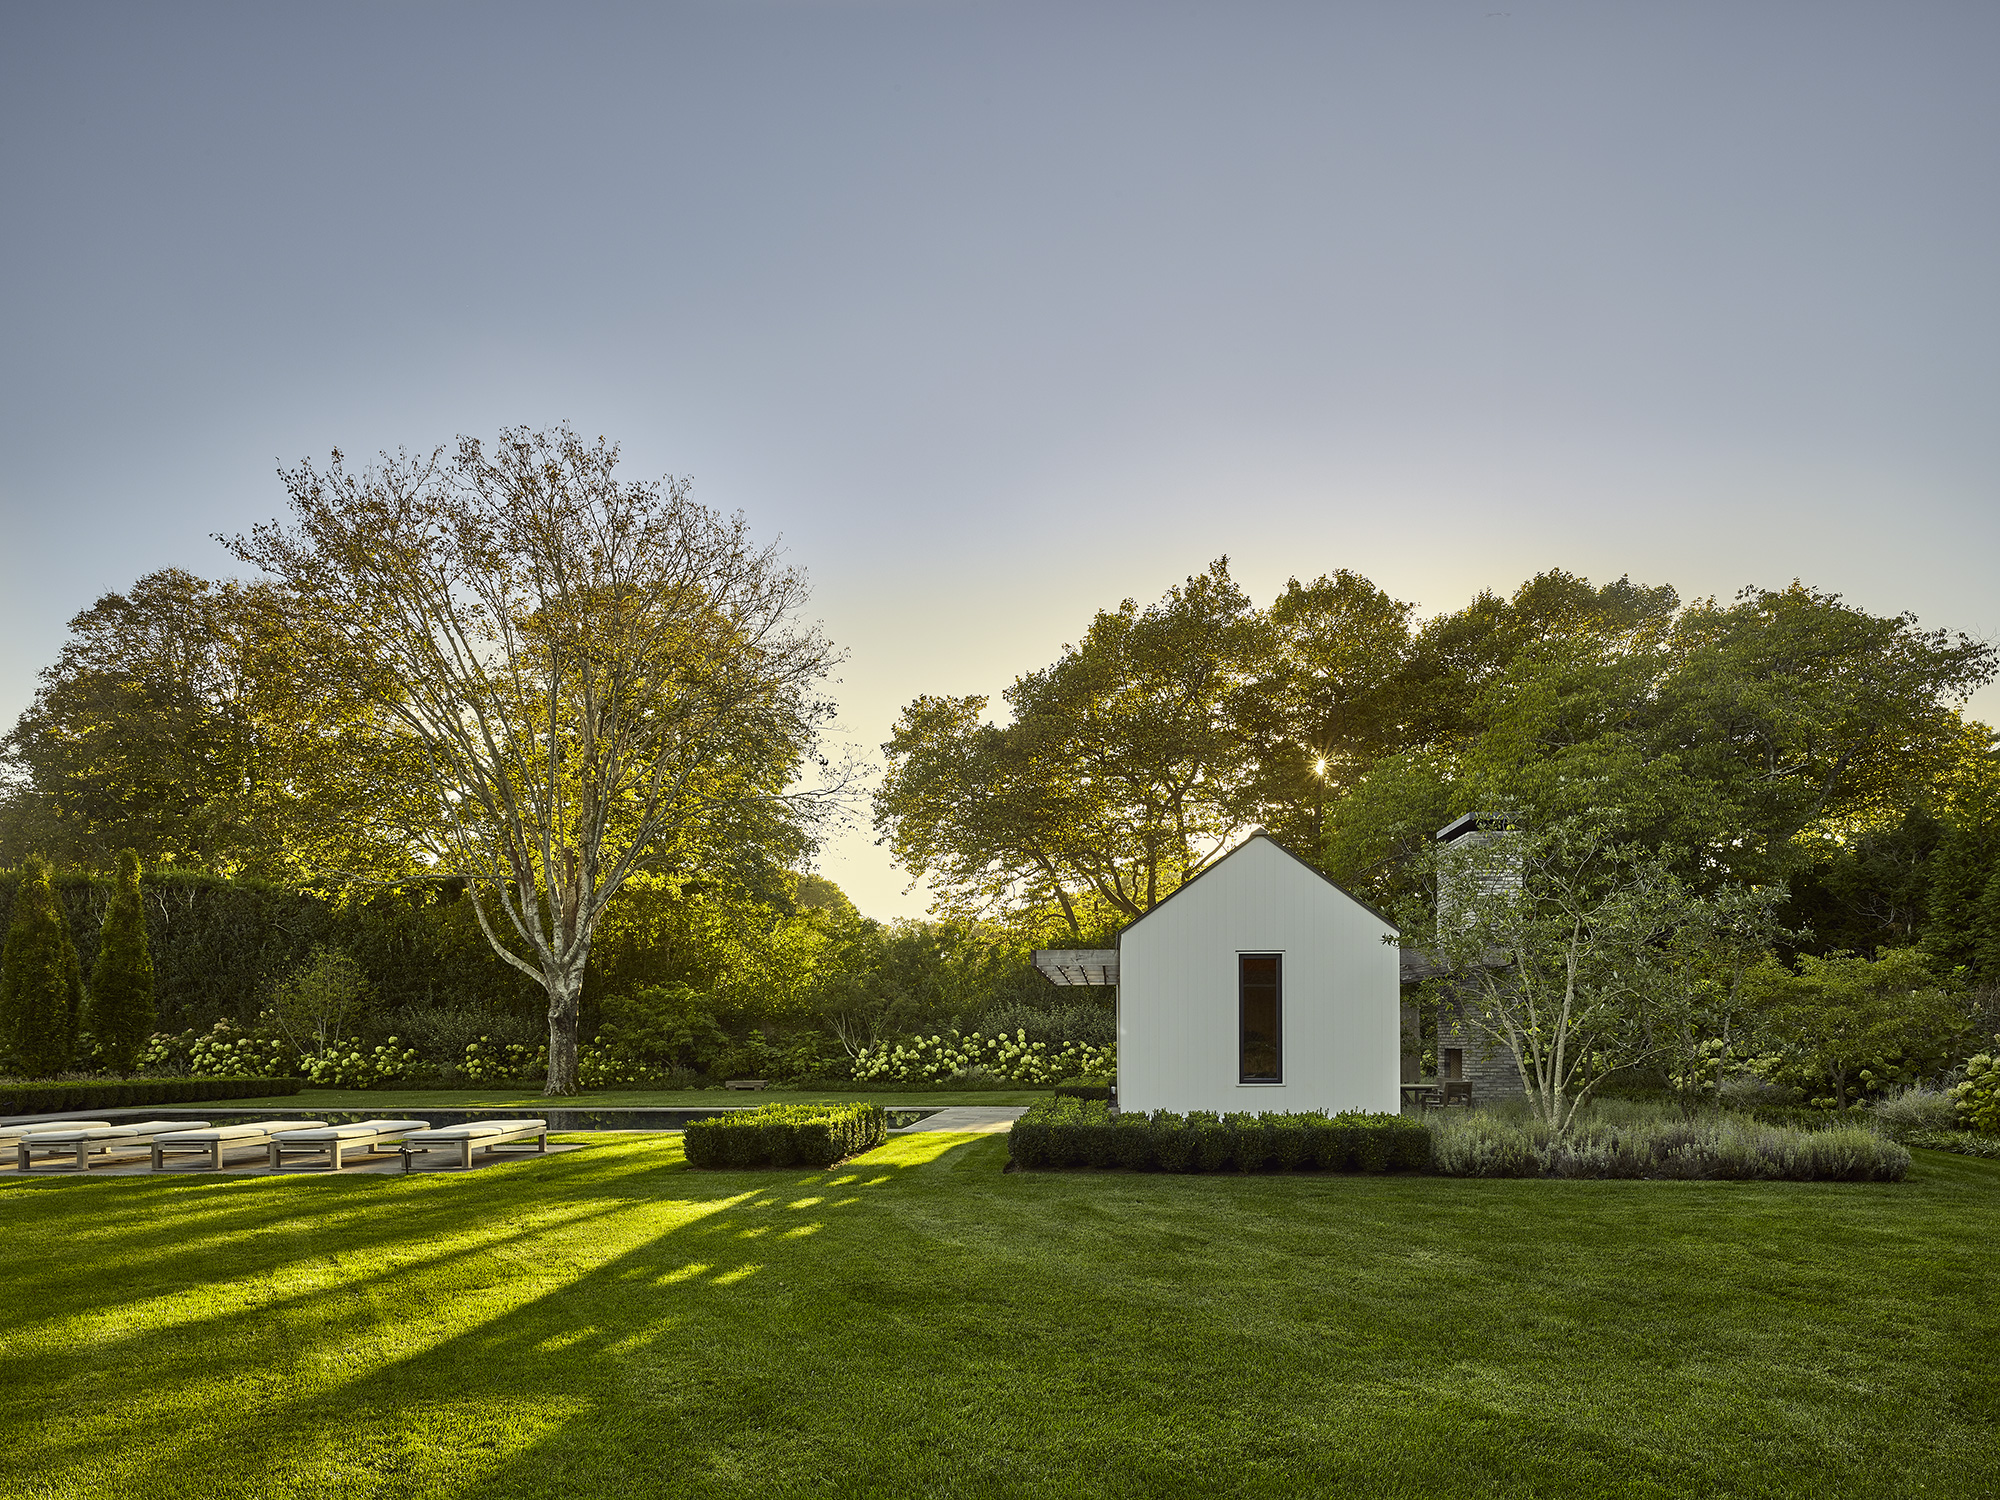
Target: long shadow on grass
<point>168,1227</point>
<point>289,1391</point>
<point>632,1327</point>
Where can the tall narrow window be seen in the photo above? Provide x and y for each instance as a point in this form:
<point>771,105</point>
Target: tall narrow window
<point>1259,1010</point>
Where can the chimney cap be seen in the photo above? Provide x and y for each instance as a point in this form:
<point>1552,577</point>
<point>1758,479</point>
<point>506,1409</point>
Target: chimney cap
<point>1480,822</point>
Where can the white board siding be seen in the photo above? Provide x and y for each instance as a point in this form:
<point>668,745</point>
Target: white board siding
<point>1177,994</point>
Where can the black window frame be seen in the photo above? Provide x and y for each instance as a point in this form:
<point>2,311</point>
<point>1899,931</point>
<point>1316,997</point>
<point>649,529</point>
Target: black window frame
<point>1243,1075</point>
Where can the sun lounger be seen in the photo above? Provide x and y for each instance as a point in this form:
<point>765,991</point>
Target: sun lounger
<point>211,1141</point>
<point>84,1141</point>
<point>332,1141</point>
<point>10,1135</point>
<point>479,1133</point>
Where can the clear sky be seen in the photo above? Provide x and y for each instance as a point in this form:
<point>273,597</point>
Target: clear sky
<point>999,313</point>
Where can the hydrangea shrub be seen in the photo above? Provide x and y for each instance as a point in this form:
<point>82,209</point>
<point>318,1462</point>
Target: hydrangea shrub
<point>940,1058</point>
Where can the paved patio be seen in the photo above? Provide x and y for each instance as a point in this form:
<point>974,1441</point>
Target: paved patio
<point>259,1165</point>
<point>958,1120</point>
<point>970,1119</point>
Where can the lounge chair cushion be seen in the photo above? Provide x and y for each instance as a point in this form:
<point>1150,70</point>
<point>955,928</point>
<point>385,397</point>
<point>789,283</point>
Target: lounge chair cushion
<point>260,1130</point>
<point>361,1130</point>
<point>480,1130</point>
<point>143,1130</point>
<point>16,1132</point>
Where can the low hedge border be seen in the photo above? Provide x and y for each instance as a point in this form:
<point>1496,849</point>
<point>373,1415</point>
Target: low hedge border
<point>947,1086</point>
<point>1959,1142</point>
<point>1069,1132</point>
<point>785,1135</point>
<point>1082,1089</point>
<point>132,1093</point>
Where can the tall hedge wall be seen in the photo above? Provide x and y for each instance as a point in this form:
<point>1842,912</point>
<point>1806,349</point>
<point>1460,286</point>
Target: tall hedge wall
<point>68,1098</point>
<point>219,945</point>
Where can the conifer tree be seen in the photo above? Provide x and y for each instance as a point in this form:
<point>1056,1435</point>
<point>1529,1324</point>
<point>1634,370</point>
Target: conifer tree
<point>1986,933</point>
<point>41,981</point>
<point>1961,872</point>
<point>121,980</point>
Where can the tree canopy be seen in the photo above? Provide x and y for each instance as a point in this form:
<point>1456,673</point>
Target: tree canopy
<point>1123,771</point>
<point>194,723</point>
<point>594,676</point>
<point>1743,742</point>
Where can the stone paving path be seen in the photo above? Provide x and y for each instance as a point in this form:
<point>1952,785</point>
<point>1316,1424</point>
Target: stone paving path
<point>970,1119</point>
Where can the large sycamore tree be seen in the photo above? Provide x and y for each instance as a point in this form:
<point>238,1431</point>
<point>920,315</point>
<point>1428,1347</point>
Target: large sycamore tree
<point>593,674</point>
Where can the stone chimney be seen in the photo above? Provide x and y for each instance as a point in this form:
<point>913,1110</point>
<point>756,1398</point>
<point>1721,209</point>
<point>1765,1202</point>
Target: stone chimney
<point>1478,848</point>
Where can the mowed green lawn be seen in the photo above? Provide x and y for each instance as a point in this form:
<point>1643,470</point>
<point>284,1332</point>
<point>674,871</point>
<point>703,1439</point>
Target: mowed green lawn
<point>916,1323</point>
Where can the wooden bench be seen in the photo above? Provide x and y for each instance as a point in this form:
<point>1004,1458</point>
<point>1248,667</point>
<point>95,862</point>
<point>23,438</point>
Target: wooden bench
<point>82,1141</point>
<point>482,1133</point>
<point>333,1141</point>
<point>211,1141</point>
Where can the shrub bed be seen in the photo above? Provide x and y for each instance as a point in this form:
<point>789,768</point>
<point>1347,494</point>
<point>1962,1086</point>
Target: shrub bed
<point>1071,1132</point>
<point>877,1086</point>
<point>945,1059</point>
<point>58,1098</point>
<point>1474,1143</point>
<point>1979,1096</point>
<point>1960,1142</point>
<point>785,1135</point>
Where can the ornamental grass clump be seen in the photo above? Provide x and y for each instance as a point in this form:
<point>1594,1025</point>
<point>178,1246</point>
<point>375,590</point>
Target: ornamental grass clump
<point>1914,1109</point>
<point>786,1135</point>
<point>1958,1142</point>
<point>1071,1132</point>
<point>1476,1143</point>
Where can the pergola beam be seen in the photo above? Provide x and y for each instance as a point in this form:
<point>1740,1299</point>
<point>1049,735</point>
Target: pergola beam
<point>1071,966</point>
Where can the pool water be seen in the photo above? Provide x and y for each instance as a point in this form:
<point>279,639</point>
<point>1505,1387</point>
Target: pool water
<point>559,1119</point>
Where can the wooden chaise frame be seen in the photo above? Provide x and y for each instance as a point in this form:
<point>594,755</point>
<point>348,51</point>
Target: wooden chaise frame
<point>81,1140</point>
<point>484,1133</point>
<point>333,1141</point>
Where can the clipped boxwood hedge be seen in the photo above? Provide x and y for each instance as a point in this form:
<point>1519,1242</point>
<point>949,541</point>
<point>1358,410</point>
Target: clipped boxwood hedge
<point>785,1135</point>
<point>134,1093</point>
<point>1065,1132</point>
<point>1083,1088</point>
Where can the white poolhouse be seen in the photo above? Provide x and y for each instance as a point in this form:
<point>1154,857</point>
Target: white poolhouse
<point>1259,985</point>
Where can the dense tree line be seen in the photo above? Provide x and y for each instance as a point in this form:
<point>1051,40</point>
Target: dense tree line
<point>1753,837</point>
<point>1782,736</point>
<point>1781,741</point>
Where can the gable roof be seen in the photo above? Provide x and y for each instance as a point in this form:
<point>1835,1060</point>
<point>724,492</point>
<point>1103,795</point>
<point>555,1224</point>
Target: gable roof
<point>1255,835</point>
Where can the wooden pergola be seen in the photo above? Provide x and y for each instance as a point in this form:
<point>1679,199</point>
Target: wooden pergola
<point>1097,966</point>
